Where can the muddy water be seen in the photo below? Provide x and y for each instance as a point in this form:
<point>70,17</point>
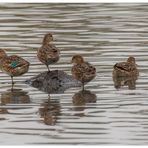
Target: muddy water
<point>104,34</point>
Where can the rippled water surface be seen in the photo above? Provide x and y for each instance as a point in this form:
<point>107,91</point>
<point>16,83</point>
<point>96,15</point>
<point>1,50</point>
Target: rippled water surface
<point>104,34</point>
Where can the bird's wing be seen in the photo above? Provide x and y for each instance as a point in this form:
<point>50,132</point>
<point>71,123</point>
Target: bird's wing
<point>84,69</point>
<point>90,68</point>
<point>125,66</point>
<point>14,61</point>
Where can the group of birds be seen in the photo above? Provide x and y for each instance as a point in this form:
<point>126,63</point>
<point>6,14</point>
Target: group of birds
<point>48,54</point>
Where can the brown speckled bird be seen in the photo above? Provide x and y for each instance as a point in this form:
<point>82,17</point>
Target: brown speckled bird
<point>126,69</point>
<point>48,53</point>
<point>81,70</point>
<point>13,65</point>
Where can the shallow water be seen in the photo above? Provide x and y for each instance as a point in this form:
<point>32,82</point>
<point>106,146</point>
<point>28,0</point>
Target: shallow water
<point>104,34</point>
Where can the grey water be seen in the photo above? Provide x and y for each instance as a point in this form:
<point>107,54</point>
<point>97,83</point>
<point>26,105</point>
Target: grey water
<point>104,34</point>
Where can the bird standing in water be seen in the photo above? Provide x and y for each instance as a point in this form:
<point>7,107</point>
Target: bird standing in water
<point>13,65</point>
<point>126,69</point>
<point>81,70</point>
<point>48,53</point>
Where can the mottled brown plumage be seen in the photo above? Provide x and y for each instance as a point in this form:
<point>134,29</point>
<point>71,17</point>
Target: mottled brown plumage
<point>82,71</point>
<point>13,65</point>
<point>125,69</point>
<point>48,53</point>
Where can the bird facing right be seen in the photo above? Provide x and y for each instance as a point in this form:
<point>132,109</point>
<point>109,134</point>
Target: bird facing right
<point>126,69</point>
<point>81,70</point>
<point>48,53</point>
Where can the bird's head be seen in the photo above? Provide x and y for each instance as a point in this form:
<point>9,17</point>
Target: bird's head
<point>47,38</point>
<point>77,59</point>
<point>131,60</point>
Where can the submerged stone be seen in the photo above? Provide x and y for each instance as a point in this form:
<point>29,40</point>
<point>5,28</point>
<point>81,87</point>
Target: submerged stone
<point>55,81</point>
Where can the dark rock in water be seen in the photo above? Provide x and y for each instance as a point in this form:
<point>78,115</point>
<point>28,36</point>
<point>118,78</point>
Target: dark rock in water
<point>55,81</point>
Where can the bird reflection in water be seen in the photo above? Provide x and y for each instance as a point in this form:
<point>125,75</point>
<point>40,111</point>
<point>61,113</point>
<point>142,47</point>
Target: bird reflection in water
<point>17,96</point>
<point>81,99</point>
<point>49,111</point>
<point>130,82</point>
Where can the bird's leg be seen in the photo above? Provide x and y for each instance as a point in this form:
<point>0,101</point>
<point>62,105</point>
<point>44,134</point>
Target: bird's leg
<point>48,99</point>
<point>12,87</point>
<point>82,86</point>
<point>12,82</point>
<point>48,67</point>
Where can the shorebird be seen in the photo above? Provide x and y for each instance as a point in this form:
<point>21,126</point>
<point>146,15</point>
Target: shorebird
<point>126,69</point>
<point>13,65</point>
<point>48,53</point>
<point>82,71</point>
